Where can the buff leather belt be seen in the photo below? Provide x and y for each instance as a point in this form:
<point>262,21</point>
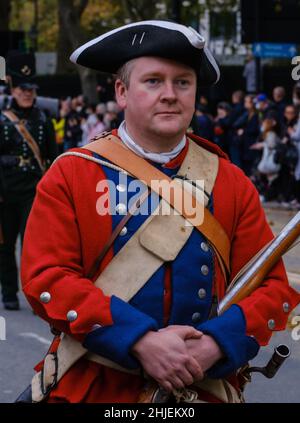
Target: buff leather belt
<point>111,149</point>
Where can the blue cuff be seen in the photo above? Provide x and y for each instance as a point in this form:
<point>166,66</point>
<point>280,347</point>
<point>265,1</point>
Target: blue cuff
<point>229,331</point>
<point>115,342</point>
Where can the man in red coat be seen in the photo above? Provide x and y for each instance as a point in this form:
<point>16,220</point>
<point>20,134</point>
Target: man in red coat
<point>167,328</point>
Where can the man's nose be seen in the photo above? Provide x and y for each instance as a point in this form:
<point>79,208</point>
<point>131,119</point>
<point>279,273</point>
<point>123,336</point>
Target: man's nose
<point>169,92</point>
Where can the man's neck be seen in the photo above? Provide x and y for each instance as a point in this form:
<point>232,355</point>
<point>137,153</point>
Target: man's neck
<point>149,152</point>
<point>154,143</point>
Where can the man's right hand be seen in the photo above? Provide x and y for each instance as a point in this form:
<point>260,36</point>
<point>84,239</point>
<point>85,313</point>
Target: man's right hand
<point>164,356</point>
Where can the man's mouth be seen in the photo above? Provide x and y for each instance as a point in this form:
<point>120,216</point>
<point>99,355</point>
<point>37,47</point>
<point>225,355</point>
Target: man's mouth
<point>168,113</point>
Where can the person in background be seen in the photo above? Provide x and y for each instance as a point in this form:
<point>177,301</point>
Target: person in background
<point>267,166</point>
<point>237,110</point>
<point>279,102</point>
<point>73,131</point>
<point>290,119</point>
<point>247,129</point>
<point>99,125</point>
<point>203,101</point>
<point>287,157</point>
<point>249,74</point>
<point>295,137</point>
<point>80,104</point>
<point>237,105</point>
<point>263,105</point>
<point>296,96</point>
<point>21,167</point>
<point>222,126</point>
<point>60,124</point>
<point>111,118</point>
<point>204,123</point>
<point>88,121</point>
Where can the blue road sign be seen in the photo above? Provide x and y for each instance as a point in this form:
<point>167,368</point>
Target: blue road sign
<point>273,50</point>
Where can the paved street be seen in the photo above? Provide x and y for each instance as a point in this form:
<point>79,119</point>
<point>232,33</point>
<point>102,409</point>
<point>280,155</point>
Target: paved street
<point>27,339</point>
<point>285,387</point>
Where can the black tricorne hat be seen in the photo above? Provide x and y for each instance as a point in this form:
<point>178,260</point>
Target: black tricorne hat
<point>108,52</point>
<point>21,69</point>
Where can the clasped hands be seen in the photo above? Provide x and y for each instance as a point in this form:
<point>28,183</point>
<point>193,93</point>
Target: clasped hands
<point>176,356</point>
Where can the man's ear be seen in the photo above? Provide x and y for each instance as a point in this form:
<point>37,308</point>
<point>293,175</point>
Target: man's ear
<point>121,93</point>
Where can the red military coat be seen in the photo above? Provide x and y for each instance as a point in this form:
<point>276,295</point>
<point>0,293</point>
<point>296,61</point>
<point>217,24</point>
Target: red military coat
<point>65,234</point>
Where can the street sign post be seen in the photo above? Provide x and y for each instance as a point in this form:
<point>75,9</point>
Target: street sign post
<point>274,50</point>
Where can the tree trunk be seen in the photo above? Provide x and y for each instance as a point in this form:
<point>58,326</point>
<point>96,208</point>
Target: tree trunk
<point>64,47</point>
<point>5,8</point>
<point>70,29</point>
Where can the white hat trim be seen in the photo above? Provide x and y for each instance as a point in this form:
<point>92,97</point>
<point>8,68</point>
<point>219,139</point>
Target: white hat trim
<point>191,34</point>
<point>213,63</point>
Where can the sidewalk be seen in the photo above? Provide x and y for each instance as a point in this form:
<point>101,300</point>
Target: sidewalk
<point>294,279</point>
<point>275,205</point>
<point>277,218</point>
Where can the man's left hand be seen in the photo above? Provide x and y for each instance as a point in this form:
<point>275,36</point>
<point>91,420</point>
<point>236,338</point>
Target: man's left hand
<point>205,350</point>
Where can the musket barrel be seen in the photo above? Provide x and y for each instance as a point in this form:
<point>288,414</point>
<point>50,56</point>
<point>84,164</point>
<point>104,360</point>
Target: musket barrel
<point>252,275</point>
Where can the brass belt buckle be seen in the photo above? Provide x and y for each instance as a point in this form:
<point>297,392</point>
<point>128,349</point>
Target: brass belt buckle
<point>23,162</point>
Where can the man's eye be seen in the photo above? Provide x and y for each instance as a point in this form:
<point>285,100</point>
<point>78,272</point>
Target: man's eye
<point>152,81</point>
<point>183,82</point>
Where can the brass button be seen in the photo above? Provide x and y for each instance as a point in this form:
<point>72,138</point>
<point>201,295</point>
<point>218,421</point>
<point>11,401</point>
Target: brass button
<point>271,324</point>
<point>124,231</point>
<point>196,317</point>
<point>121,188</point>
<point>45,297</point>
<point>204,247</point>
<point>204,270</point>
<point>202,293</point>
<point>72,315</point>
<point>286,307</point>
<point>121,208</point>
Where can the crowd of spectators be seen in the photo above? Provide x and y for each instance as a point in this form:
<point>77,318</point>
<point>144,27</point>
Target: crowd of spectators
<point>79,122</point>
<point>261,135</point>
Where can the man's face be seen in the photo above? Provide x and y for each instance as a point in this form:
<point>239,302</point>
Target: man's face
<point>160,99</point>
<point>24,97</point>
<point>278,94</point>
<point>248,103</point>
<point>290,113</point>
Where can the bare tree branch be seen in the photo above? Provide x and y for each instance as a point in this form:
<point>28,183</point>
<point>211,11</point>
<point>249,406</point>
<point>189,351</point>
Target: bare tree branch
<point>81,7</point>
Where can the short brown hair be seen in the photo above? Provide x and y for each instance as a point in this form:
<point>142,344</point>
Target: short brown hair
<point>124,72</point>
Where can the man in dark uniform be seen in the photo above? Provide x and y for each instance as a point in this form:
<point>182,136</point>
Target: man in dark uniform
<point>21,167</point>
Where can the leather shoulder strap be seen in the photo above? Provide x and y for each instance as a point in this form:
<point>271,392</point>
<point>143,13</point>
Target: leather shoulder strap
<point>113,150</point>
<point>32,144</point>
